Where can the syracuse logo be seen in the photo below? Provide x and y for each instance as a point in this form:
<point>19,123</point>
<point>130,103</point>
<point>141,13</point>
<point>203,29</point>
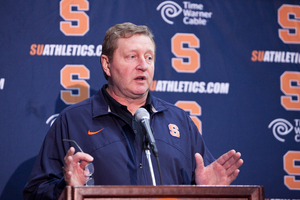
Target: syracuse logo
<point>174,130</point>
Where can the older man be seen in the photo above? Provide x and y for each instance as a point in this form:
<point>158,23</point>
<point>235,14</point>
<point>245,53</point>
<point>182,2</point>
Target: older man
<point>107,132</point>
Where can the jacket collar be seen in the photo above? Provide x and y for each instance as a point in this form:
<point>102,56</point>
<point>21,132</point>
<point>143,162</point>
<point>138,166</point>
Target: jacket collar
<point>100,107</point>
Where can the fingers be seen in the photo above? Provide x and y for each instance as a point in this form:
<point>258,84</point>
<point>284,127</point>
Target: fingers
<point>231,162</point>
<point>225,157</point>
<point>78,157</point>
<point>221,172</point>
<point>232,170</point>
<point>74,167</point>
<point>67,169</point>
<point>199,162</point>
<point>229,159</point>
<point>69,159</point>
<point>233,176</point>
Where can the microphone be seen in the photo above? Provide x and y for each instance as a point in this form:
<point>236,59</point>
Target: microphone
<point>143,117</point>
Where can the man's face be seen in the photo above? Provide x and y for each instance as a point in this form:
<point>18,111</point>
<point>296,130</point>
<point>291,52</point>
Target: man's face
<point>132,68</point>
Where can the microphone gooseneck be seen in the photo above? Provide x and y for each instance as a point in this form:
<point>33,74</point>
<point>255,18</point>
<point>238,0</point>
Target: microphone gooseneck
<point>143,117</point>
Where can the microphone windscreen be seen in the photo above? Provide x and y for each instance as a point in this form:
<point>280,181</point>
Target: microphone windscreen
<point>140,114</point>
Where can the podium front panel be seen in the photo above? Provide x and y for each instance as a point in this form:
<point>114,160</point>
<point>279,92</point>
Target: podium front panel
<point>164,192</point>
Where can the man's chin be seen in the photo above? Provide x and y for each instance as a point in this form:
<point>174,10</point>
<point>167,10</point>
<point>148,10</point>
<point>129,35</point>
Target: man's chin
<point>141,92</point>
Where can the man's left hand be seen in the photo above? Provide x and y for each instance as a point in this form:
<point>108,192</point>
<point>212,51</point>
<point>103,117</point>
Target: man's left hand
<point>221,172</point>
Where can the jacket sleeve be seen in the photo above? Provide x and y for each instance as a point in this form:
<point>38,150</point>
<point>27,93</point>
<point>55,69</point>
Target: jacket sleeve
<point>46,180</point>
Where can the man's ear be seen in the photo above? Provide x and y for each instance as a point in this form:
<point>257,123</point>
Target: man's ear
<point>105,65</point>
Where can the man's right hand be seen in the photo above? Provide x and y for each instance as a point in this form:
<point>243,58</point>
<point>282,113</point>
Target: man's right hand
<point>74,173</point>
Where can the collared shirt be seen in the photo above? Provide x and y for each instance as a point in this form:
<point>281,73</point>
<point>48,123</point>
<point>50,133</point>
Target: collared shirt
<point>122,110</point>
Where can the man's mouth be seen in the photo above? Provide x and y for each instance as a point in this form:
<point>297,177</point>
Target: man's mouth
<point>141,78</point>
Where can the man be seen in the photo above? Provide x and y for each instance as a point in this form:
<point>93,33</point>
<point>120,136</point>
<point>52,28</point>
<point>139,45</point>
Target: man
<point>105,128</point>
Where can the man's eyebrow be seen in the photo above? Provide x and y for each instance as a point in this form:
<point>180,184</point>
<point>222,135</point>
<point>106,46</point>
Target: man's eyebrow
<point>128,50</point>
<point>134,50</point>
<point>150,50</point>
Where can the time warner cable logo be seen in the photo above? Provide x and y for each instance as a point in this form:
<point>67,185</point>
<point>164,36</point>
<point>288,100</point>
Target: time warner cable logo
<point>281,127</point>
<point>193,12</point>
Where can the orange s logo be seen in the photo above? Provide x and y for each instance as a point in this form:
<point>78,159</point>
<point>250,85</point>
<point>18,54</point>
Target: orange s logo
<point>193,63</point>
<point>289,160</point>
<point>68,81</point>
<point>174,130</point>
<point>195,110</point>
<point>80,18</point>
<point>290,86</point>
<point>290,33</point>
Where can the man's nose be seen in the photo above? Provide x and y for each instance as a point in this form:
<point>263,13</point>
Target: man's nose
<point>142,64</point>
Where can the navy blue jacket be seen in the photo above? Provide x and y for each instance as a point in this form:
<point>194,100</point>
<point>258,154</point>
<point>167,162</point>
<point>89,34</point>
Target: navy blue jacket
<point>117,160</point>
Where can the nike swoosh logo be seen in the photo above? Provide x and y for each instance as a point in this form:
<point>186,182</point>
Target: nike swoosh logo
<point>93,133</point>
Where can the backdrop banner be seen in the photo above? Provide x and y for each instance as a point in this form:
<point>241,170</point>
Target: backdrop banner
<point>233,65</point>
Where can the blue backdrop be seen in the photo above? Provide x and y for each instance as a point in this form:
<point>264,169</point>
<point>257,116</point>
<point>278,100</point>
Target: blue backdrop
<point>233,65</point>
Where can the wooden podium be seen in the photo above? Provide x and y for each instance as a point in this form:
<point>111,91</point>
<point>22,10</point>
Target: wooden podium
<point>163,192</point>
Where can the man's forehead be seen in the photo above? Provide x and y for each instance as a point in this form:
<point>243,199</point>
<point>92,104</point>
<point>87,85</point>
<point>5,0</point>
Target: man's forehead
<point>140,37</point>
<point>133,39</point>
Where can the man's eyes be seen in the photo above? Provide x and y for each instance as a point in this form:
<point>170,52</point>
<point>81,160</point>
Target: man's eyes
<point>147,57</point>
